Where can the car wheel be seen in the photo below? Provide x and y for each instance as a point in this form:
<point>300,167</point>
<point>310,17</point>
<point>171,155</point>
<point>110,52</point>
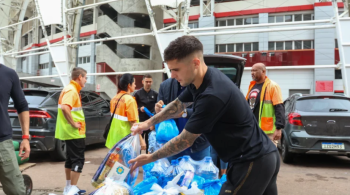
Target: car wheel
<point>287,156</point>
<point>59,154</point>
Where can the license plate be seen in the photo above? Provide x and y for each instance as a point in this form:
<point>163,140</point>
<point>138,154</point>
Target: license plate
<point>333,146</point>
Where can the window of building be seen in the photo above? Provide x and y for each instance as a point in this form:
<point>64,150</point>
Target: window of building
<point>193,25</point>
<point>337,74</point>
<point>271,45</point>
<point>84,39</point>
<point>279,45</point>
<point>222,23</point>
<point>84,60</point>
<point>307,17</point>
<point>58,28</point>
<point>230,48</point>
<point>255,20</point>
<point>239,21</point>
<point>88,16</point>
<point>231,22</point>
<point>336,43</point>
<point>239,47</point>
<point>298,45</point>
<point>25,40</point>
<point>298,17</point>
<point>247,47</point>
<point>307,45</point>
<point>43,66</point>
<point>288,45</point>
<point>288,18</point>
<point>247,21</point>
<point>48,31</point>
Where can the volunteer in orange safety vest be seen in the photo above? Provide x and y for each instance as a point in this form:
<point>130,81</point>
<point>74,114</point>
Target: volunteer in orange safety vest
<point>265,99</point>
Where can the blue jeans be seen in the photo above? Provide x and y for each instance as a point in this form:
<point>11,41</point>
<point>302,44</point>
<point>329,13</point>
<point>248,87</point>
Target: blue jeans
<point>215,157</point>
<point>195,156</point>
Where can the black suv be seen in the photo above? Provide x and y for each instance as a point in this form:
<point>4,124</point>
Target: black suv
<point>43,113</point>
<point>318,124</point>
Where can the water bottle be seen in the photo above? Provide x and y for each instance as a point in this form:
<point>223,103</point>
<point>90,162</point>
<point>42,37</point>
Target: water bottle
<point>173,170</point>
<point>152,142</point>
<point>158,169</point>
<point>187,164</point>
<point>208,170</point>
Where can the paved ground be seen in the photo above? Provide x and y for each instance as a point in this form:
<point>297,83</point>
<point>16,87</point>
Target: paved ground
<point>309,175</point>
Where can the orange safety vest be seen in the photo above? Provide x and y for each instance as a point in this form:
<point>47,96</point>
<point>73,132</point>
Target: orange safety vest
<point>270,96</point>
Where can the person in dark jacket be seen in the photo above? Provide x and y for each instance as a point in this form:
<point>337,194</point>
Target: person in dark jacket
<point>169,90</point>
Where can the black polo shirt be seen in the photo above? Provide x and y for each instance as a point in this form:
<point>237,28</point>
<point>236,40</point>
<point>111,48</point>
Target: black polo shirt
<point>222,114</point>
<point>146,99</point>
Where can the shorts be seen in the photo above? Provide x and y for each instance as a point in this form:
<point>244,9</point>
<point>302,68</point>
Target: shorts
<point>75,154</point>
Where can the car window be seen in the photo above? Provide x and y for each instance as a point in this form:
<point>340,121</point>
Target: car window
<point>34,97</point>
<point>287,106</point>
<point>230,72</point>
<point>84,99</point>
<point>97,101</point>
<point>53,99</point>
<point>323,104</point>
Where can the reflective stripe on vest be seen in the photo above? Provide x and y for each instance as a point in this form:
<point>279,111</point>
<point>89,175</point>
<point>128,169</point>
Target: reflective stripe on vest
<point>122,118</point>
<point>267,117</point>
<point>64,130</point>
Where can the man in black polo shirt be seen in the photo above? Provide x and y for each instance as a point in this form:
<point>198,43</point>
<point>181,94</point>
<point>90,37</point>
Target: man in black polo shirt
<point>146,98</point>
<point>221,113</point>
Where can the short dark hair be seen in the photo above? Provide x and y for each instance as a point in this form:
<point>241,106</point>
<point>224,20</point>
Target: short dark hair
<point>124,80</point>
<point>147,76</point>
<point>78,71</point>
<point>182,47</point>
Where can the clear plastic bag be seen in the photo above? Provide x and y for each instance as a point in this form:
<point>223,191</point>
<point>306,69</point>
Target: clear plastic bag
<point>208,170</point>
<point>115,165</point>
<point>153,144</point>
<point>113,187</point>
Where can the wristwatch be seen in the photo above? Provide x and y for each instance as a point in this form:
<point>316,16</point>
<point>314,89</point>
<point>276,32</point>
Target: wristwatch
<point>184,114</point>
<point>28,137</point>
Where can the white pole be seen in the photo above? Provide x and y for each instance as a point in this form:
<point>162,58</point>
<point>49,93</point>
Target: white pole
<point>262,30</point>
<point>340,48</point>
<point>261,25</point>
<point>111,38</point>
<point>32,54</point>
<point>155,33</point>
<point>45,35</point>
<point>90,5</point>
<point>98,74</point>
<point>64,8</point>
<point>4,27</point>
<point>29,50</point>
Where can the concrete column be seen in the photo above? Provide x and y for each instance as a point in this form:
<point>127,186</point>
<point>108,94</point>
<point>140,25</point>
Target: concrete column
<point>324,47</point>
<point>93,60</point>
<point>263,37</point>
<point>50,64</point>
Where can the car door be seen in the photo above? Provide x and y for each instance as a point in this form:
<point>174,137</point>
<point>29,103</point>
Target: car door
<point>103,114</point>
<point>91,118</point>
<point>232,66</point>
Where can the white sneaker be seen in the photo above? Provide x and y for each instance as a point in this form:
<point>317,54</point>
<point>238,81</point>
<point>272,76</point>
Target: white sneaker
<point>66,189</point>
<point>73,190</point>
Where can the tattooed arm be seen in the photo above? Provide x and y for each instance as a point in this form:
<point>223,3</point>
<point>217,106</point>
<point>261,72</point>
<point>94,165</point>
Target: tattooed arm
<point>172,110</point>
<point>176,145</point>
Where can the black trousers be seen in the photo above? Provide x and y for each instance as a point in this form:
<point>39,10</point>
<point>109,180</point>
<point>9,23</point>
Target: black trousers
<point>257,177</point>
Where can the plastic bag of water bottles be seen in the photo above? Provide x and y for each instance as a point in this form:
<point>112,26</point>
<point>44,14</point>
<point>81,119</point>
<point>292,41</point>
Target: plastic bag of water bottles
<point>115,165</point>
<point>211,187</point>
<point>153,144</point>
<point>145,186</point>
<point>113,187</point>
<point>166,130</point>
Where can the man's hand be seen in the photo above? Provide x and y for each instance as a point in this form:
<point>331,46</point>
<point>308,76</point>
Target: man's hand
<point>25,146</point>
<point>138,128</point>
<point>277,134</point>
<point>158,106</point>
<point>142,109</point>
<point>76,125</point>
<point>140,161</point>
